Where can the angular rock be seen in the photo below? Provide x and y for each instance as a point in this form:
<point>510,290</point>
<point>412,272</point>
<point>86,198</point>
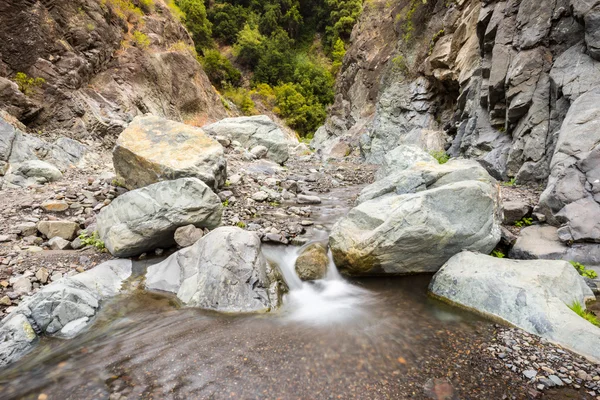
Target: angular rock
<point>147,218</point>
<point>514,210</point>
<point>22,285</point>
<point>259,151</point>
<point>532,295</point>
<point>63,229</point>
<point>185,236</point>
<point>260,196</point>
<point>418,232</point>
<point>58,243</point>
<point>254,131</point>
<point>16,338</point>
<point>401,158</point>
<point>538,242</point>
<point>312,263</point>
<point>223,271</point>
<point>154,149</point>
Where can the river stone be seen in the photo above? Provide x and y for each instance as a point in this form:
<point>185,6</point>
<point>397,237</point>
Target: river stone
<point>532,295</point>
<point>417,232</point>
<point>254,131</point>
<point>401,158</point>
<point>63,229</point>
<point>423,175</point>
<point>58,243</point>
<point>185,236</point>
<point>154,149</point>
<point>145,219</point>
<point>312,263</point>
<point>223,271</point>
<point>55,205</point>
<point>307,199</point>
<point>63,304</point>
<point>39,169</point>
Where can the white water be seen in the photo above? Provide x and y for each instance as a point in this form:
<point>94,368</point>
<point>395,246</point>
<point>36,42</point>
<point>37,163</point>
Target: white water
<point>326,301</point>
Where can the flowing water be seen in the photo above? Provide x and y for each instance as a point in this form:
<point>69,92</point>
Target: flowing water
<point>333,338</point>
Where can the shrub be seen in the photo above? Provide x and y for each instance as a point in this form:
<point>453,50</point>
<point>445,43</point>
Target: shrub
<point>583,313</point>
<point>498,254</point>
<point>241,98</point>
<point>247,49</point>
<point>227,21</point>
<point>337,55</point>
<point>441,156</point>
<point>27,84</point>
<point>276,62</point>
<point>197,22</point>
<point>93,240</point>
<point>141,40</point>
<point>123,9</point>
<point>147,6</point>
<point>524,222</point>
<point>182,47</point>
<point>219,69</point>
<point>583,271</point>
<point>241,224</point>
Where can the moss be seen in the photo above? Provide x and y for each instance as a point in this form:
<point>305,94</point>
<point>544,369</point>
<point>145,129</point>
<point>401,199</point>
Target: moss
<point>441,156</point>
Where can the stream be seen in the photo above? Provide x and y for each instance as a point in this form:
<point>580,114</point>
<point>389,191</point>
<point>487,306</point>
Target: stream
<point>333,338</point>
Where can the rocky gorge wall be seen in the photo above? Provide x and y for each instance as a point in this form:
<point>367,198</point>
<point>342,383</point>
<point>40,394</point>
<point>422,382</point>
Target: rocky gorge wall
<point>101,64</point>
<point>512,84</point>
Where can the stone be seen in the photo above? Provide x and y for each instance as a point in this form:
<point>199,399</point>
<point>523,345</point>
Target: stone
<point>306,199</point>
<point>58,243</point>
<point>260,196</point>
<point>186,236</point>
<point>401,158</point>
<point>531,295</point>
<point>224,271</point>
<point>556,380</point>
<point>76,244</point>
<point>26,228</point>
<point>5,301</point>
<point>538,242</point>
<point>39,169</point>
<point>254,131</point>
<point>42,275</point>
<point>55,205</point>
<point>147,218</point>
<point>154,149</point>
<point>259,151</point>
<point>62,228</point>
<point>22,285</point>
<point>16,338</point>
<point>514,210</point>
<point>530,373</point>
<point>312,263</point>
<point>417,232</point>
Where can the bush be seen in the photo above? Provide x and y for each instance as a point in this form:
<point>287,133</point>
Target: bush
<point>583,271</point>
<point>27,84</point>
<point>141,40</point>
<point>440,156</point>
<point>247,49</point>
<point>241,98</point>
<point>585,314</point>
<point>276,62</point>
<point>337,55</point>
<point>227,21</point>
<point>299,113</point>
<point>182,47</point>
<point>197,22</point>
<point>123,9</point>
<point>93,240</point>
<point>219,69</point>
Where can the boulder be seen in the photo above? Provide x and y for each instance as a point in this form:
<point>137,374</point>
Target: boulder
<point>224,271</point>
<point>514,210</point>
<point>147,218</point>
<point>185,236</point>
<point>254,131</point>
<point>39,170</point>
<point>401,158</point>
<point>417,232</point>
<point>63,308</point>
<point>62,229</point>
<point>312,263</point>
<point>154,149</point>
<point>532,295</point>
<point>259,151</point>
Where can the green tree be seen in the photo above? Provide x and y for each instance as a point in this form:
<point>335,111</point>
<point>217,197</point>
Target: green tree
<point>337,54</point>
<point>247,49</point>
<point>276,63</point>
<point>219,69</point>
<point>342,17</point>
<point>197,23</point>
<point>269,21</point>
<point>227,21</point>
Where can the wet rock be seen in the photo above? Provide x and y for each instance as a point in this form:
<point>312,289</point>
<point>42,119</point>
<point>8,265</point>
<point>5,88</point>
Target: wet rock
<point>312,263</point>
<point>417,232</point>
<point>223,271</point>
<point>439,389</point>
<point>254,131</point>
<point>532,295</point>
<point>154,149</point>
<point>63,229</point>
<point>186,236</point>
<point>147,218</point>
<point>58,243</point>
<point>306,199</point>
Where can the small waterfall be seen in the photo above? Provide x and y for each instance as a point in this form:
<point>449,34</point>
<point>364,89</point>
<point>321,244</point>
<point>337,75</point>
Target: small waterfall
<point>321,302</point>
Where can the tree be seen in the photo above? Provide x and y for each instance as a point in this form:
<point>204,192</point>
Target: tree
<point>276,62</point>
<point>227,21</point>
<point>197,23</point>
<point>219,70</point>
<point>247,49</point>
<point>337,54</point>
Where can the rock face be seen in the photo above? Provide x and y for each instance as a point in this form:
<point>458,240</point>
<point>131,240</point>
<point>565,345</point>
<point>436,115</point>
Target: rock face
<point>97,78</point>
<point>312,263</point>
<point>63,308</point>
<point>146,218</point>
<point>258,130</point>
<point>223,271</point>
<point>533,295</point>
<point>153,149</point>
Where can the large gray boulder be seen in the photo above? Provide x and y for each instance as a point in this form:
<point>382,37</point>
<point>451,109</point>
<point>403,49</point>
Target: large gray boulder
<point>417,232</point>
<point>401,158</point>
<point>63,308</point>
<point>532,295</point>
<point>223,271</point>
<point>254,131</point>
<point>147,218</point>
<point>154,149</point>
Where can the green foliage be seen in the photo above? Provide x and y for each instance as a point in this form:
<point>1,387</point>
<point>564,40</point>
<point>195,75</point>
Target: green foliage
<point>434,39</point>
<point>241,224</point>
<point>524,222</point>
<point>408,22</point>
<point>301,113</point>
<point>225,203</point>
<point>93,240</point>
<point>583,313</point>
<point>147,6</point>
<point>247,49</point>
<point>441,156</point>
<point>219,69</point>
<point>141,40</point>
<point>342,17</point>
<point>399,64</point>
<point>227,21</point>
<point>276,62</point>
<point>241,98</point>
<point>175,10</point>
<point>274,204</point>
<point>498,254</point>
<point>27,84</point>
<point>197,22</point>
<point>123,9</point>
<point>337,55</point>
<point>511,182</point>
<point>583,271</point>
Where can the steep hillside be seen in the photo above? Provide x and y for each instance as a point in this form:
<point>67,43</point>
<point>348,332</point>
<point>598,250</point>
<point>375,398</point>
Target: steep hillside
<point>87,67</point>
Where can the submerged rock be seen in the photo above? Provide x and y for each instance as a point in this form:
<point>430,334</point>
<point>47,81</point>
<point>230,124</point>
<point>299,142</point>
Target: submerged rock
<point>154,149</point>
<point>532,295</point>
<point>416,232</point>
<point>63,308</point>
<point>223,271</point>
<point>312,263</point>
<point>254,131</point>
<point>147,218</point>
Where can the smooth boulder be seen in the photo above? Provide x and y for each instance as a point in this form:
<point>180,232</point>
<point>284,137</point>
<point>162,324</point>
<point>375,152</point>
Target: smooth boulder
<point>224,271</point>
<point>147,218</point>
<point>63,308</point>
<point>532,295</point>
<point>253,131</point>
<point>401,158</point>
<point>416,232</point>
<point>154,149</point>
